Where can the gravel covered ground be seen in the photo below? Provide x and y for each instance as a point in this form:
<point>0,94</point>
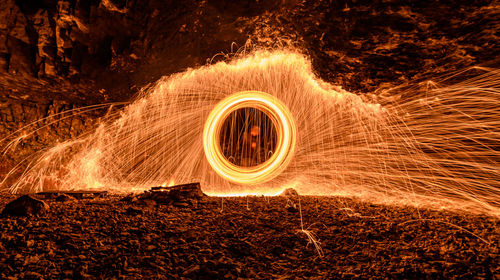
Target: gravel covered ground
<point>245,238</point>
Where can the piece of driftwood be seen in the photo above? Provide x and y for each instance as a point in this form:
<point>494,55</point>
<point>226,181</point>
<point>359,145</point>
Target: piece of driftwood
<point>79,194</point>
<point>174,194</point>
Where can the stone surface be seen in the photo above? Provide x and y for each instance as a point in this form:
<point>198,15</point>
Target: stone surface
<point>108,239</point>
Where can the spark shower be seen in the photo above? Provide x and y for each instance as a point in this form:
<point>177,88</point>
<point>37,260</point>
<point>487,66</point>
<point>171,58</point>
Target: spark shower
<point>434,147</point>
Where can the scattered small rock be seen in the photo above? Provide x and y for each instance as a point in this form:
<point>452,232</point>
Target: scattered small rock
<point>292,208</point>
<point>181,204</point>
<point>149,203</point>
<point>191,270</point>
<point>129,198</point>
<point>133,211</point>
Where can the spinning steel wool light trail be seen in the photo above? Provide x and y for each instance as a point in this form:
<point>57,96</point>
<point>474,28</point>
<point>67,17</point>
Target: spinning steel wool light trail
<point>281,154</point>
<point>264,122</point>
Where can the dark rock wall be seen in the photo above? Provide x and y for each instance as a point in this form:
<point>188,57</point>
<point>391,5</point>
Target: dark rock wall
<point>134,42</point>
<point>104,42</point>
<point>363,44</point>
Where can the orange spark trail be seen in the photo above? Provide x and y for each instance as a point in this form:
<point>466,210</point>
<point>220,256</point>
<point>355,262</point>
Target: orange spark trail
<point>438,147</point>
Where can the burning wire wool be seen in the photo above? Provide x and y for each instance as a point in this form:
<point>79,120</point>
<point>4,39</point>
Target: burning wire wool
<point>433,147</point>
<point>252,173</point>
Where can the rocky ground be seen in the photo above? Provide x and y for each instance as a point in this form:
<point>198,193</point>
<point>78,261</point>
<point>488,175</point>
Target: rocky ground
<point>245,238</point>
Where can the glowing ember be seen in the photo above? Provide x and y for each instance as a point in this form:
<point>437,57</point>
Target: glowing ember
<point>438,147</point>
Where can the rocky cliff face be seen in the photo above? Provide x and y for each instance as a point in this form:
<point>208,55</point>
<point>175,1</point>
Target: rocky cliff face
<point>119,45</point>
<point>61,54</point>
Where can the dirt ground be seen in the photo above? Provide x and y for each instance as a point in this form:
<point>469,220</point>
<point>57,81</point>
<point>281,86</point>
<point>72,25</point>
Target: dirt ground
<point>246,238</point>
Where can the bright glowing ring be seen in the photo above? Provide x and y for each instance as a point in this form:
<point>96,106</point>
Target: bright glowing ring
<point>285,130</point>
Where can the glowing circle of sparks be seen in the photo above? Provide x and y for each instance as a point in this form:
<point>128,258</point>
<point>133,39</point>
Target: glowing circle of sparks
<point>282,120</point>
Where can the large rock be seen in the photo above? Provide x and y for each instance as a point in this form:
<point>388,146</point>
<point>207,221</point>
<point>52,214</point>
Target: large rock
<point>25,205</point>
<point>290,192</point>
<point>64,197</point>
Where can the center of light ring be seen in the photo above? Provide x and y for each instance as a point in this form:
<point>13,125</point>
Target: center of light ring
<point>281,118</point>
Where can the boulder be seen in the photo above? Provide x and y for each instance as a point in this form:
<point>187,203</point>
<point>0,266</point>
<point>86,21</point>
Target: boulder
<point>64,197</point>
<point>24,206</point>
<point>290,192</point>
